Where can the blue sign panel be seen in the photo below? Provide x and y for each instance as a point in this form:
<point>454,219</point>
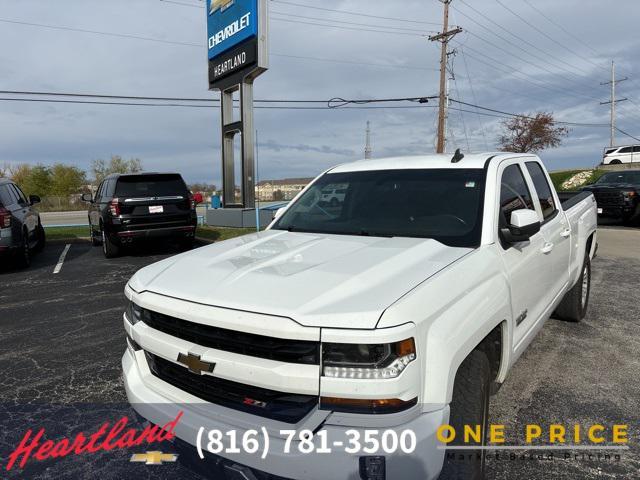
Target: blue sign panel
<point>229,23</point>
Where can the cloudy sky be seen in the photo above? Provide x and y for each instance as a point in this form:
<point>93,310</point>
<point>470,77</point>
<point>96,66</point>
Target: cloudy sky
<point>515,56</point>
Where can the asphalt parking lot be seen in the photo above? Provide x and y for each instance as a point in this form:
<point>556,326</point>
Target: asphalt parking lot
<point>61,341</point>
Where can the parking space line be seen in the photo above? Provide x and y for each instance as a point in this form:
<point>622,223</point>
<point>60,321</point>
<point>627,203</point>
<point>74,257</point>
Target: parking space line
<point>61,260</point>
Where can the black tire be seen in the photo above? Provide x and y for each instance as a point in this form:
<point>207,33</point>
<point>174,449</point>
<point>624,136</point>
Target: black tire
<point>615,162</point>
<point>95,241</point>
<point>42,238</point>
<point>23,259</point>
<point>573,307</point>
<point>109,249</point>
<point>469,406</point>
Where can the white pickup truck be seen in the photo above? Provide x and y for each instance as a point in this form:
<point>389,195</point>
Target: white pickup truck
<point>346,333</point>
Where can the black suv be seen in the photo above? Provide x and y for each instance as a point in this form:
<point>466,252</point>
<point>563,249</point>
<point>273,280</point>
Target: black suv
<point>130,207</point>
<point>21,232</point>
<point>618,194</point>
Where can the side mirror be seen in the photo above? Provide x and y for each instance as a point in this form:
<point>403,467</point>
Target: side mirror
<point>279,213</point>
<point>33,199</point>
<point>87,197</point>
<point>197,198</point>
<point>524,224</point>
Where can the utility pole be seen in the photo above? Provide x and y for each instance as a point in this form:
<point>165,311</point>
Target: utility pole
<point>367,148</point>
<point>613,101</point>
<point>444,39</point>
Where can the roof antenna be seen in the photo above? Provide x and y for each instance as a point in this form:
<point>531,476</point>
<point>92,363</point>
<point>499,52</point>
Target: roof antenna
<point>457,156</point>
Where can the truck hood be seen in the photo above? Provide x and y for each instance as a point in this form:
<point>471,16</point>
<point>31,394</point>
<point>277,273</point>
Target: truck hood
<point>330,281</point>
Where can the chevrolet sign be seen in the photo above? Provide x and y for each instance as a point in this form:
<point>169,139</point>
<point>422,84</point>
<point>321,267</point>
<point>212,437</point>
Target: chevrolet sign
<point>230,30</point>
<point>230,23</point>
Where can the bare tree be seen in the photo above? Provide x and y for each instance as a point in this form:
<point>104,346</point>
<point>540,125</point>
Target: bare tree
<point>116,164</point>
<point>528,133</point>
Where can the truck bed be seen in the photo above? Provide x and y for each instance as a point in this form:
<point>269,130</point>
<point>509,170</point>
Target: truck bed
<point>570,199</point>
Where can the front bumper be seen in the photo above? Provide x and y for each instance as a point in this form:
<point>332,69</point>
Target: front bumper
<point>617,211</point>
<point>423,464</point>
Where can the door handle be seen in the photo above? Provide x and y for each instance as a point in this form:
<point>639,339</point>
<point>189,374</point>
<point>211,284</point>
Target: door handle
<point>566,233</point>
<point>548,248</point>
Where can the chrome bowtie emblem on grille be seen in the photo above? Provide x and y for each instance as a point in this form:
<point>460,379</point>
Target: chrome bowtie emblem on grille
<point>195,364</point>
<point>153,458</point>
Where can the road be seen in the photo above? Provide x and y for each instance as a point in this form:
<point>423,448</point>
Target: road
<point>79,218</point>
<point>61,341</point>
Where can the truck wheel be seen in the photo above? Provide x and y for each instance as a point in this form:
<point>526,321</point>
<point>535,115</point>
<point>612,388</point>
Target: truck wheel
<point>469,406</point>
<point>24,253</point>
<point>41,238</point>
<point>574,304</point>
<point>109,249</point>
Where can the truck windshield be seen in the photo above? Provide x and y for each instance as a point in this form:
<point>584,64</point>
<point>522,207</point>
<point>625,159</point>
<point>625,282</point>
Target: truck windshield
<point>442,204</point>
<point>620,177</point>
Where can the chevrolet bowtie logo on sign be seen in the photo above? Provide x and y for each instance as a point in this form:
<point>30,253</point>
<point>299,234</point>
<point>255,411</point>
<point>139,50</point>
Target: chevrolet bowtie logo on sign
<point>221,5</point>
<point>154,458</point>
<point>195,364</point>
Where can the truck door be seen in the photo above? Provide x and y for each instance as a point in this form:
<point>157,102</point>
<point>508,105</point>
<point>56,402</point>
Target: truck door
<point>555,230</point>
<point>528,279</point>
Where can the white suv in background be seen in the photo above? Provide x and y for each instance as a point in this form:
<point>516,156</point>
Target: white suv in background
<point>619,155</point>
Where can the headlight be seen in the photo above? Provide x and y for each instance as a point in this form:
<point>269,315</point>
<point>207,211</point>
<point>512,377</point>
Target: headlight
<point>357,361</point>
<point>135,313</point>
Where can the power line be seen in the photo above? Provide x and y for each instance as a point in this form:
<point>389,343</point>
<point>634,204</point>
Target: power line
<point>181,105</point>
<point>385,65</point>
<point>510,70</point>
<point>529,62</point>
<point>332,103</point>
<point>358,14</point>
<point>475,99</point>
<point>541,32</point>
<point>567,32</point>
<point>190,44</point>
<point>627,134</point>
<point>561,63</point>
<point>509,114</point>
<point>299,22</point>
<point>493,112</point>
<point>273,12</point>
<point>97,32</point>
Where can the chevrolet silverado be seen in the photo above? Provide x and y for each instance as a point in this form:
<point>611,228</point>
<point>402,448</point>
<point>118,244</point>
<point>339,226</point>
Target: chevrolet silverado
<point>400,308</point>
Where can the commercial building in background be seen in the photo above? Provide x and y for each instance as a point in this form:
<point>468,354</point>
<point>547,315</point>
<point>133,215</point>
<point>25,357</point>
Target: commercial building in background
<point>275,190</point>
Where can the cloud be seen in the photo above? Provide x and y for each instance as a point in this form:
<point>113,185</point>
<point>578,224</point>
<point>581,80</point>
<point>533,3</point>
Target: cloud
<point>305,142</point>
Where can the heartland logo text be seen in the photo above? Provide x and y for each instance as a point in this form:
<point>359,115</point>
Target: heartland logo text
<point>230,30</point>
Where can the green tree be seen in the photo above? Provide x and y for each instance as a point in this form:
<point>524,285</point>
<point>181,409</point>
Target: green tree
<point>33,180</point>
<point>66,180</point>
<point>116,164</point>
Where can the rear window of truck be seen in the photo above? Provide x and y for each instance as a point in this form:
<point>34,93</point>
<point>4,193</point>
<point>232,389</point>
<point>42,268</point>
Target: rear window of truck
<point>135,186</point>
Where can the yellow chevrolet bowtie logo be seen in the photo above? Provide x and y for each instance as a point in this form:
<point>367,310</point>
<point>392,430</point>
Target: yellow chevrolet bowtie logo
<point>154,458</point>
<point>195,364</point>
<point>219,5</point>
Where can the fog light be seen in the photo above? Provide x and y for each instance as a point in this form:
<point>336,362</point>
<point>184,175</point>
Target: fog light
<point>373,468</point>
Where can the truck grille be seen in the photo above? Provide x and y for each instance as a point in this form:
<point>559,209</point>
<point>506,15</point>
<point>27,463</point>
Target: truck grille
<point>609,199</point>
<point>283,350</point>
<point>283,407</point>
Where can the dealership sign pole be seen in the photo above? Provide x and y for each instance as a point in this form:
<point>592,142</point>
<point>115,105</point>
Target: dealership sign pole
<point>238,53</point>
